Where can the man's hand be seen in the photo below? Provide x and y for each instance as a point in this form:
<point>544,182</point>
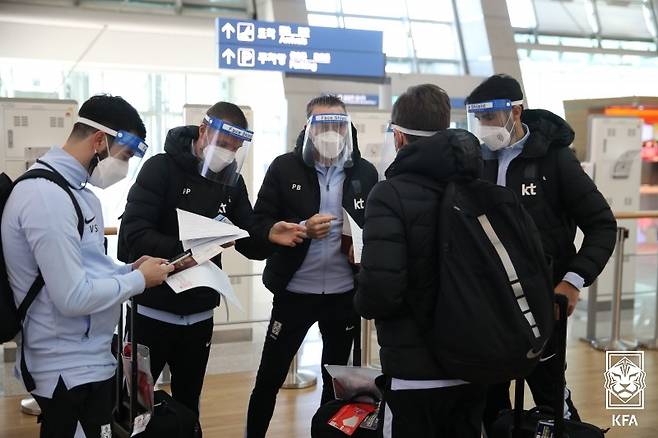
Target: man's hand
<point>319,225</point>
<point>139,262</point>
<point>287,234</point>
<point>155,271</point>
<point>571,292</point>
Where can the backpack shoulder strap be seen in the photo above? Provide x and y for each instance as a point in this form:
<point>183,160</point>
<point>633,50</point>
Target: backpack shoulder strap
<point>55,177</point>
<point>446,204</point>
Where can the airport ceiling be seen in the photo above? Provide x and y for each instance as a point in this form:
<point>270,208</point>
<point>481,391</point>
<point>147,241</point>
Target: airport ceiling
<point>193,7</point>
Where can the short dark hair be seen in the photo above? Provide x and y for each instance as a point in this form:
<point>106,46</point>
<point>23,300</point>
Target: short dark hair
<point>111,111</point>
<point>327,100</point>
<point>229,112</point>
<point>498,86</point>
<point>424,107</point>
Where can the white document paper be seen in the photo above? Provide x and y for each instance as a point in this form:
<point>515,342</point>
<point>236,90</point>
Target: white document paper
<point>206,251</point>
<point>194,226</point>
<point>204,275</point>
<point>351,228</point>
<point>206,236</point>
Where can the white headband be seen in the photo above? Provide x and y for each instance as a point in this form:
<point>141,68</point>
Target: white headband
<point>413,131</point>
<point>96,125</point>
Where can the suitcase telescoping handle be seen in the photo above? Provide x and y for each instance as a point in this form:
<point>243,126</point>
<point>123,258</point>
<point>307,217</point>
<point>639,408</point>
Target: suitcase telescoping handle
<point>133,358</point>
<point>133,366</point>
<point>560,332</point>
<point>119,371</point>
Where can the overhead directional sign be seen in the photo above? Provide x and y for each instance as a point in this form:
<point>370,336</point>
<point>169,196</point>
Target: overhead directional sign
<point>260,45</point>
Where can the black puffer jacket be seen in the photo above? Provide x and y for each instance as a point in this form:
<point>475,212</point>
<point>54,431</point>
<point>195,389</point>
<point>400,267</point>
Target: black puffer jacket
<point>291,192</point>
<point>150,224</point>
<point>398,277</point>
<point>559,196</point>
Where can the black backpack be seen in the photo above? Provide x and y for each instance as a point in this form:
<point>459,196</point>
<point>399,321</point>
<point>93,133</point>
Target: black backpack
<point>11,317</point>
<point>494,307</point>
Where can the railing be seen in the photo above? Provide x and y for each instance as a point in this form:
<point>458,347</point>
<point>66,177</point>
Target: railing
<point>615,340</point>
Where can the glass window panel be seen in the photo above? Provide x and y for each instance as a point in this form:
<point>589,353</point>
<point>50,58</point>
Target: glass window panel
<point>398,67</point>
<point>205,88</point>
<point>576,58</point>
<point>172,90</point>
<point>375,8</point>
<point>322,20</point>
<point>523,54</point>
<point>439,68</point>
<point>578,42</point>
<point>631,60</point>
<point>524,38</point>
<point>434,41</point>
<point>396,42</point>
<point>521,13</point>
<point>135,87</point>
<point>606,59</point>
<point>638,45</point>
<point>610,44</point>
<point>322,6</point>
<point>435,10</point>
<point>551,40</point>
<point>544,55</point>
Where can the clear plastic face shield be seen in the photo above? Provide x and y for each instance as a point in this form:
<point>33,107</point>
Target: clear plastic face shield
<point>124,148</point>
<point>492,122</point>
<point>328,140</point>
<point>224,149</point>
<point>389,151</point>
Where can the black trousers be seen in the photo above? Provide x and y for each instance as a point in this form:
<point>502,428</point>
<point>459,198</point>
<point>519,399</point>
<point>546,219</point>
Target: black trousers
<point>543,385</point>
<point>90,404</point>
<point>292,316</point>
<point>184,348</point>
<point>452,412</point>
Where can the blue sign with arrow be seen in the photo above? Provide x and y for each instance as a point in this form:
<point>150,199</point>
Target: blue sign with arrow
<point>294,48</point>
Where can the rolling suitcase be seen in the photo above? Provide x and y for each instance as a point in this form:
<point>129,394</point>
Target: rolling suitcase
<point>540,421</point>
<point>169,419</point>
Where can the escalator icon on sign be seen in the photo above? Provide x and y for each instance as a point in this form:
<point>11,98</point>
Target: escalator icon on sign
<point>246,31</point>
<point>246,57</point>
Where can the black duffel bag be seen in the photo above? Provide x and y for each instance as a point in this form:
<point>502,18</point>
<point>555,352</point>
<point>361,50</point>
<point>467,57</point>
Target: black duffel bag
<point>320,427</point>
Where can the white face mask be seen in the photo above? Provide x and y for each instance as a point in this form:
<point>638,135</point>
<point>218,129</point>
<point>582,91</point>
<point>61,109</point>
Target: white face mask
<point>496,137</point>
<point>219,159</point>
<point>329,144</point>
<point>109,171</point>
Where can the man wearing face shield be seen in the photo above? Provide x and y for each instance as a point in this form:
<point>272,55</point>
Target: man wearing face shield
<point>66,360</point>
<point>528,152</point>
<point>199,172</point>
<point>313,282</point>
